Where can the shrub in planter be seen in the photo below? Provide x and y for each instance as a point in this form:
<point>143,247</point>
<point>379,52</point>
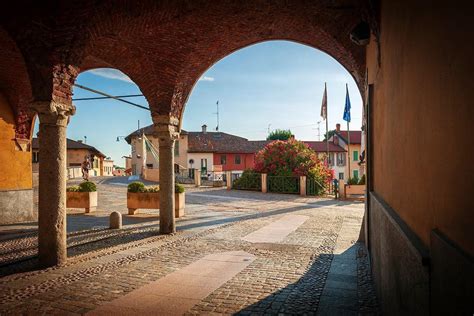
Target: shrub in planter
<point>353,181</point>
<point>87,186</point>
<point>136,187</point>
<point>178,188</point>
<point>179,200</point>
<point>362,180</point>
<point>74,188</point>
<point>140,196</point>
<point>152,189</point>
<point>83,195</point>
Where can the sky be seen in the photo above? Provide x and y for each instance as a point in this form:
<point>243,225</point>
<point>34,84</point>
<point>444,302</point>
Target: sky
<point>270,85</point>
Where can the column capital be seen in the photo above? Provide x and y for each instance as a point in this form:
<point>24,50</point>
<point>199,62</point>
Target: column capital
<point>52,112</point>
<point>166,128</point>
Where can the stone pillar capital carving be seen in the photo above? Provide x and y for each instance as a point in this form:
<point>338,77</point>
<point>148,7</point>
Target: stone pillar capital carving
<point>166,128</point>
<point>52,112</point>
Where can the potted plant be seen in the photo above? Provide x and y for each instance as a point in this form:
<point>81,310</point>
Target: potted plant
<point>140,196</point>
<point>179,199</point>
<point>83,195</point>
<point>355,187</point>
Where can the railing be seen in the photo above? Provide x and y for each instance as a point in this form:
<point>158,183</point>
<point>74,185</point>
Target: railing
<point>185,176</point>
<point>282,184</point>
<point>251,182</point>
<point>313,187</point>
<point>213,178</point>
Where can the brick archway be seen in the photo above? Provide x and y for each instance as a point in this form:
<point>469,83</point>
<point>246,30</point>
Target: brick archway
<point>194,73</point>
<point>15,84</point>
<point>165,47</point>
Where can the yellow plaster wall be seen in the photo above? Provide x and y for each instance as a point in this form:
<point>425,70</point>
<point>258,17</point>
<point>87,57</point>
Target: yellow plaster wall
<point>422,118</point>
<point>15,165</point>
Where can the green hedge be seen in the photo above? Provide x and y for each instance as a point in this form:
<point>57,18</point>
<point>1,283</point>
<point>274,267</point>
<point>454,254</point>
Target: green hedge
<point>249,180</point>
<point>139,187</point>
<point>86,186</point>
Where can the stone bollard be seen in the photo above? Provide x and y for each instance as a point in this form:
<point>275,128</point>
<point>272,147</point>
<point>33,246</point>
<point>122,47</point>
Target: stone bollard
<point>115,220</point>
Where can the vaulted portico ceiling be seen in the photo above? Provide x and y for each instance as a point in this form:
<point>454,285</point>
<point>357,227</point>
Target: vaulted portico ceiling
<point>164,47</point>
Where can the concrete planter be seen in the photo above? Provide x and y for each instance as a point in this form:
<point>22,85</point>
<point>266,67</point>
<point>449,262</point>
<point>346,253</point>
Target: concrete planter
<point>354,189</point>
<point>152,201</point>
<point>179,203</point>
<point>86,200</point>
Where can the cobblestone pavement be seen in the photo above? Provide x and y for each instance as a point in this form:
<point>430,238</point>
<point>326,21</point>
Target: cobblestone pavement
<point>286,277</point>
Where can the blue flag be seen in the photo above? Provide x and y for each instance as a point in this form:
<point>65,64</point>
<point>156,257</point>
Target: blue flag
<point>347,108</point>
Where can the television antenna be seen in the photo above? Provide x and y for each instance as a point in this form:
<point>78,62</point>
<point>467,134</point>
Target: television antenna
<point>217,114</point>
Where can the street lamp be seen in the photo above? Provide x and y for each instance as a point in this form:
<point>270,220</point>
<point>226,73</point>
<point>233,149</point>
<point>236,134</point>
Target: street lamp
<point>118,138</point>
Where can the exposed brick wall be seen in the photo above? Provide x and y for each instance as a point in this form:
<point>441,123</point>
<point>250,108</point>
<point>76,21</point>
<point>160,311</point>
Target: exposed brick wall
<point>166,46</point>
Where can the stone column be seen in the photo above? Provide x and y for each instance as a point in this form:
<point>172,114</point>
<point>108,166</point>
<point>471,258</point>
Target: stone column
<point>167,131</point>
<point>53,118</point>
<point>167,202</point>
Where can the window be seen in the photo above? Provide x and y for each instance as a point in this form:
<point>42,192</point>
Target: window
<point>203,165</point>
<point>355,155</point>
<point>35,156</point>
<point>75,164</point>
<point>356,174</point>
<point>237,159</point>
<point>176,148</point>
<point>331,159</point>
<point>341,159</point>
<point>223,159</point>
<point>149,165</point>
<point>341,175</point>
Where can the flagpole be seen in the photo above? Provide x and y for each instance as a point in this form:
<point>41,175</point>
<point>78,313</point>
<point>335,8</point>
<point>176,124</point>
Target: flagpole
<point>327,133</point>
<point>348,149</point>
<point>348,144</point>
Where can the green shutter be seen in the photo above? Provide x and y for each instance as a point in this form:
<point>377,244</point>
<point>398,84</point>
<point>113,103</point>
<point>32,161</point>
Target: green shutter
<point>176,148</point>
<point>355,155</point>
<point>356,174</point>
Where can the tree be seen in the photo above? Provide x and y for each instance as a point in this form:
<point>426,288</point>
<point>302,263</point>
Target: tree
<point>291,158</point>
<point>279,134</point>
<point>331,133</point>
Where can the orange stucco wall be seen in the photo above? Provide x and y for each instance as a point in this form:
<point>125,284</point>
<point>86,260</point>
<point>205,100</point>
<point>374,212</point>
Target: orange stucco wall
<point>15,165</point>
<point>422,118</point>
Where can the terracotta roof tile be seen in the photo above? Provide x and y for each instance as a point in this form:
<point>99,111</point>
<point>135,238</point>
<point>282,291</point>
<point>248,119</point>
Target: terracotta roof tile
<point>71,144</point>
<point>355,136</point>
<point>321,146</point>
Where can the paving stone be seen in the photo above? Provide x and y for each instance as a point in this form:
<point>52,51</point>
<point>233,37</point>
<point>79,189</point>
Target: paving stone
<point>287,276</point>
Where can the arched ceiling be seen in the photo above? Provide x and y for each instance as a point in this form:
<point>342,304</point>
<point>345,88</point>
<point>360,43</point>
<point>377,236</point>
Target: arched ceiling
<point>165,46</point>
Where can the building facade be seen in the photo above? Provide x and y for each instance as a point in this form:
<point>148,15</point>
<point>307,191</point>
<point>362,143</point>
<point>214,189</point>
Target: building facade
<point>144,159</point>
<point>353,153</point>
<point>76,152</point>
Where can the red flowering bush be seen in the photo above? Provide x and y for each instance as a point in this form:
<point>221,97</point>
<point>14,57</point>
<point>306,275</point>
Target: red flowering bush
<point>291,158</point>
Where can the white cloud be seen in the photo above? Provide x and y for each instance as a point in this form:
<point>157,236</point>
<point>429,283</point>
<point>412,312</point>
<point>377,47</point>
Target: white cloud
<point>206,78</point>
<point>111,74</point>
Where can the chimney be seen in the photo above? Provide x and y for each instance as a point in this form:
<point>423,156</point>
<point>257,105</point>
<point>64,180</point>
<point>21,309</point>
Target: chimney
<point>292,137</point>
<point>338,127</point>
<point>204,128</point>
